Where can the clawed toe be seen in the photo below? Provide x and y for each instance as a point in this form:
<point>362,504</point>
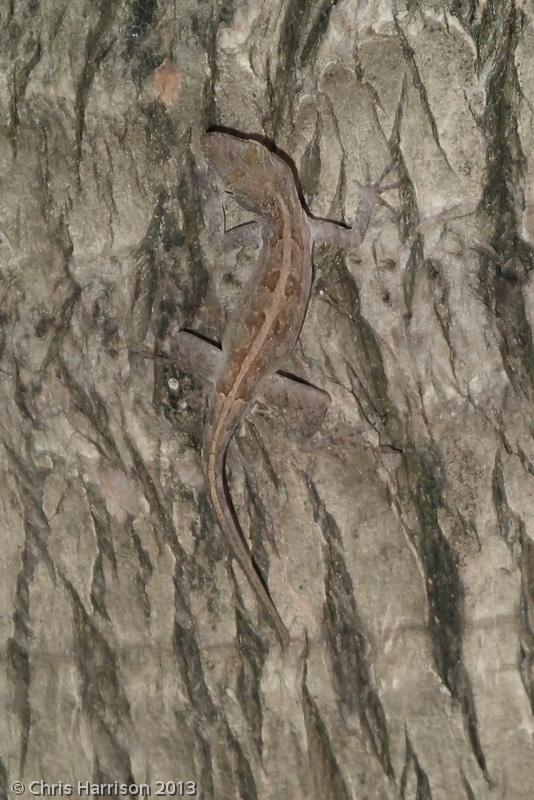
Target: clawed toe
<point>376,186</point>
<point>367,177</point>
<point>387,188</point>
<point>394,211</point>
<point>386,171</point>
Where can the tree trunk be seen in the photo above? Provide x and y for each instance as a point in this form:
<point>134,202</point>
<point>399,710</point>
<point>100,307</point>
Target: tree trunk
<point>396,535</point>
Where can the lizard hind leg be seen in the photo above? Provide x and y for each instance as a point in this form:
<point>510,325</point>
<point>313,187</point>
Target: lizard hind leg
<point>304,405</point>
<point>202,357</point>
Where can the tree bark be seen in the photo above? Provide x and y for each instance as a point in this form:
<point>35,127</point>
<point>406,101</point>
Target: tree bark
<point>396,538</point>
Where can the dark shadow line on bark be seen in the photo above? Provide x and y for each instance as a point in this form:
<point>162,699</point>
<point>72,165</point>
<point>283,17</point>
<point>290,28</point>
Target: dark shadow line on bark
<point>444,588</point>
<point>423,791</point>
<point>347,639</point>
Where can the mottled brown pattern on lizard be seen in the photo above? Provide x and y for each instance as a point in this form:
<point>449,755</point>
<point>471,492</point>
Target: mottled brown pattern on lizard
<point>264,327</point>
<point>259,336</point>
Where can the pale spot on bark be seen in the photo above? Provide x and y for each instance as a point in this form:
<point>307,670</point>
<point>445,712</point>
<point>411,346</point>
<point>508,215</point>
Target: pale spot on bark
<point>167,83</point>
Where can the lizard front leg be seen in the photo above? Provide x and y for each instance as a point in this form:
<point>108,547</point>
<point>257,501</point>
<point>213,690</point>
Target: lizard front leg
<point>327,231</point>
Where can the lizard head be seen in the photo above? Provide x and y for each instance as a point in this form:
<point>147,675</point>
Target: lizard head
<point>245,167</point>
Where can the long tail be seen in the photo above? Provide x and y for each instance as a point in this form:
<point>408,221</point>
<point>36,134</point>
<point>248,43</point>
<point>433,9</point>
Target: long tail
<point>220,502</point>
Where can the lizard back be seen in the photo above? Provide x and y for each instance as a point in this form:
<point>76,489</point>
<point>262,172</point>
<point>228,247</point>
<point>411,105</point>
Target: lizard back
<point>264,326</point>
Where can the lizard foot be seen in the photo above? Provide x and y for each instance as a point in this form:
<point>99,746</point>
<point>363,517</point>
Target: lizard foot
<point>372,190</point>
<point>370,196</point>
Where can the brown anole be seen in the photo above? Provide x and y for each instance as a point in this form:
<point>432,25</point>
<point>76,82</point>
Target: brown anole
<point>264,327</point>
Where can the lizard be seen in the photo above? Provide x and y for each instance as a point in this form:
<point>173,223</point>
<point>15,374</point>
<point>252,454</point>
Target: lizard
<point>264,327</point>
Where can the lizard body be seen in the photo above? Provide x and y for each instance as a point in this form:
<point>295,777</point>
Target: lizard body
<point>264,327</point>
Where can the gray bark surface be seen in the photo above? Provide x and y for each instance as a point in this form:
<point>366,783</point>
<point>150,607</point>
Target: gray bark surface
<point>397,539</point>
